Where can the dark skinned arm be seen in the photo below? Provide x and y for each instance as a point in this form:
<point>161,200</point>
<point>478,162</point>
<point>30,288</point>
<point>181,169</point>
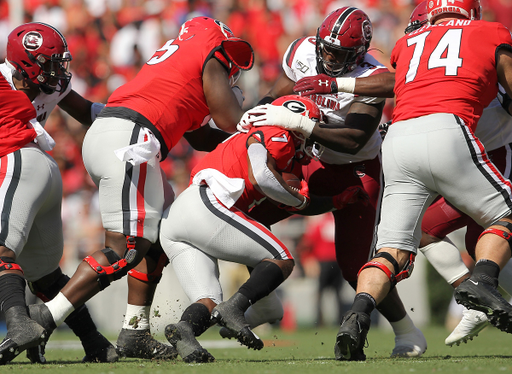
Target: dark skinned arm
<point>205,138</point>
<point>378,85</point>
<point>360,124</point>
<point>504,70</point>
<point>222,102</point>
<point>77,107</point>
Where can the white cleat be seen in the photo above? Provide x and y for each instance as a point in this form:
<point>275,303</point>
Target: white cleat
<point>412,344</point>
<point>470,325</point>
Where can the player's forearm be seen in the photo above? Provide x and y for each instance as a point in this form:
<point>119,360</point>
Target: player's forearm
<point>379,85</point>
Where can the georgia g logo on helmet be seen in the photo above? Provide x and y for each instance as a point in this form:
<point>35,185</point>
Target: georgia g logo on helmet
<point>295,106</point>
<point>32,40</point>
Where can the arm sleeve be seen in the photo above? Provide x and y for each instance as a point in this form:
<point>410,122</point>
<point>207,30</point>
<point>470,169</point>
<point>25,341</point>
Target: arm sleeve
<point>265,179</point>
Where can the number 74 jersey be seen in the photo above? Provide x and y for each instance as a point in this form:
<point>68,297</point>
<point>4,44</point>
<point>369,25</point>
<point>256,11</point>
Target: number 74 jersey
<point>448,68</point>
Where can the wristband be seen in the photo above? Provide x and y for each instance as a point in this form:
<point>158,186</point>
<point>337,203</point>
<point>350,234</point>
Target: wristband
<point>96,109</point>
<point>303,204</point>
<point>346,84</point>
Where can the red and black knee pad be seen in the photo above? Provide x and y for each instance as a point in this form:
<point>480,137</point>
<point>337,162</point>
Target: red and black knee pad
<point>157,254</point>
<point>9,263</point>
<point>119,266</point>
<point>501,233</point>
<point>399,274</point>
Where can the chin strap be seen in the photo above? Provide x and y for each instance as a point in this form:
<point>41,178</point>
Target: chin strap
<point>394,279</point>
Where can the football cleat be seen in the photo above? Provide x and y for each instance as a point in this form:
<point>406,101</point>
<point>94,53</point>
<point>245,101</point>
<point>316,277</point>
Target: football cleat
<point>352,336</point>
<point>41,314</point>
<point>476,294</point>
<point>411,344</point>
<point>181,335</point>
<point>98,349</point>
<point>22,333</point>
<point>472,322</point>
<point>141,344</point>
<point>230,315</point>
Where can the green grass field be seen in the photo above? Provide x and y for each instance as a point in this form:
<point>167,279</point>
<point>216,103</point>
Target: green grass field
<point>304,351</point>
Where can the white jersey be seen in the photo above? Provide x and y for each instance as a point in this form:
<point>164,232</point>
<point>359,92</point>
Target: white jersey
<point>494,128</point>
<point>300,61</point>
<point>43,104</point>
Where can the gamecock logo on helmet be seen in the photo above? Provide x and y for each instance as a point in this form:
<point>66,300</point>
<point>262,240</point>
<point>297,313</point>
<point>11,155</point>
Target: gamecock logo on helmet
<point>367,30</point>
<point>32,40</point>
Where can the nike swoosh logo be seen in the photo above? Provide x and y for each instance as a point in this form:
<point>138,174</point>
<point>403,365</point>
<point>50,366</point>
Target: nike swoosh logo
<point>475,283</point>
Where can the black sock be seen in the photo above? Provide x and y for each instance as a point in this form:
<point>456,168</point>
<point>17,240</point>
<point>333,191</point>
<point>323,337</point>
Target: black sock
<point>265,278</point>
<point>80,321</point>
<point>487,271</point>
<point>364,302</point>
<point>12,291</point>
<point>198,316</point>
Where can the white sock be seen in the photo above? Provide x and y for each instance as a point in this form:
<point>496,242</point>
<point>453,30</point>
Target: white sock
<point>404,326</point>
<point>136,317</point>
<point>60,308</point>
<point>445,257</point>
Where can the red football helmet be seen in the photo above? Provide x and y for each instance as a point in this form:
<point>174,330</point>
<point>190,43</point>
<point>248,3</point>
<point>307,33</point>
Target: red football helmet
<point>40,53</point>
<point>344,36</point>
<point>470,9</point>
<point>418,17</point>
<point>305,149</point>
<point>235,52</point>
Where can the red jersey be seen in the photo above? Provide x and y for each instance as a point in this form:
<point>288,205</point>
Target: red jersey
<point>15,113</point>
<point>448,68</point>
<point>168,90</point>
<point>230,158</point>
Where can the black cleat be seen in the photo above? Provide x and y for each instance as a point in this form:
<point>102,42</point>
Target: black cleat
<point>231,316</point>
<point>352,336</point>
<point>22,333</point>
<point>181,335</point>
<point>141,344</point>
<point>476,294</point>
<point>41,314</point>
<point>98,348</point>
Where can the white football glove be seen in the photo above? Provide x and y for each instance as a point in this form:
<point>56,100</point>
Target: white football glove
<point>273,115</point>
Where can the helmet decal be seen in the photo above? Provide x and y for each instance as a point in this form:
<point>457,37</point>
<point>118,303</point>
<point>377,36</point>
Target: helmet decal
<point>32,40</point>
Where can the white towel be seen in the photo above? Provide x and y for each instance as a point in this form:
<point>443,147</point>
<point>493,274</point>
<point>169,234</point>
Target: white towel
<point>227,190</point>
<point>139,153</point>
<point>44,139</point>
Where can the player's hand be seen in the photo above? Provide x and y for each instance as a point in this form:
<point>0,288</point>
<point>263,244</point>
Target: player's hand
<point>504,99</point>
<point>273,115</point>
<point>317,84</point>
<point>351,195</point>
<point>304,191</point>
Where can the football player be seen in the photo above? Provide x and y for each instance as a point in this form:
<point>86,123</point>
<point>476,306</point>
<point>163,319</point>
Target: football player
<point>495,132</point>
<point>351,152</point>
<point>31,241</point>
<point>431,150</point>
<point>181,87</point>
<point>227,183</point>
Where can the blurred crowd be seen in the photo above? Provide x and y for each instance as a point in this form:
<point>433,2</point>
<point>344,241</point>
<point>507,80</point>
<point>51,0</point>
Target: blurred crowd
<point>111,39</point>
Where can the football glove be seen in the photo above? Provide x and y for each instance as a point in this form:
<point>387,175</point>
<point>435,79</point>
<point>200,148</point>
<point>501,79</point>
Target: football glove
<point>317,84</point>
<point>351,195</point>
<point>272,115</point>
<point>304,191</point>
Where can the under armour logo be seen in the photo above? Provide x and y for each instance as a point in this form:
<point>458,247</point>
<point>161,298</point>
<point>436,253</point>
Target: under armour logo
<point>39,107</point>
<point>321,83</point>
